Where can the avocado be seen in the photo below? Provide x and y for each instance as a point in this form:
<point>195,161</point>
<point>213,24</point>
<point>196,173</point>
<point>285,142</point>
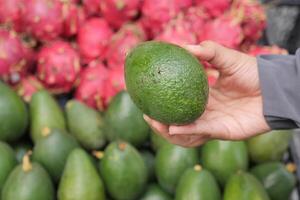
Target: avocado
<point>197,184</point>
<point>45,113</point>
<point>80,179</point>
<point>170,163</point>
<point>124,171</point>
<point>224,158</point>
<point>244,186</point>
<point>124,121</point>
<point>166,82</point>
<point>7,162</point>
<point>150,163</point>
<point>52,151</point>
<point>157,141</point>
<point>154,192</point>
<point>276,178</point>
<point>86,124</point>
<point>21,148</point>
<point>269,146</point>
<point>13,115</point>
<point>28,181</point>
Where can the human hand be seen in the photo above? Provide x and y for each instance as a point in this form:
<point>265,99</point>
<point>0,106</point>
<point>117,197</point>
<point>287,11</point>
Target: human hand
<point>234,110</point>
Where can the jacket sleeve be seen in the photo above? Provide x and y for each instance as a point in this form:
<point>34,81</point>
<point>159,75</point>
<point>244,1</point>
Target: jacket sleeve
<point>279,77</point>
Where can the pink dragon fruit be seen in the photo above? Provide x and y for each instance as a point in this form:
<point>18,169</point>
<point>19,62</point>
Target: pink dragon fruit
<point>122,42</point>
<point>74,17</point>
<point>252,16</point>
<point>58,66</point>
<point>91,88</point>
<point>197,17</point>
<point>28,86</point>
<point>223,30</point>
<point>117,12</point>
<point>183,4</point>
<point>10,13</point>
<point>93,38</point>
<point>15,57</point>
<point>91,7</point>
<point>214,8</point>
<point>261,50</point>
<point>43,18</point>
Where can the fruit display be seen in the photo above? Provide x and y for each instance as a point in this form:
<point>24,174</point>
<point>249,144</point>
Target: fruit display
<point>76,77</point>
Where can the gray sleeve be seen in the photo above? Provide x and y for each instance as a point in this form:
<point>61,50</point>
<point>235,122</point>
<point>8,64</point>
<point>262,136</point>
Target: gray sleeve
<point>279,77</point>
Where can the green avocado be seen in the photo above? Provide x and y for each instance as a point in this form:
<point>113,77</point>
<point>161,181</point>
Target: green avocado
<point>45,113</point>
<point>124,171</point>
<point>86,124</point>
<point>150,163</point>
<point>244,186</point>
<point>277,179</point>
<point>157,141</point>
<point>224,158</point>
<point>21,148</point>
<point>170,163</point>
<point>166,82</point>
<point>269,146</point>
<point>28,181</point>
<point>13,115</point>
<point>7,162</point>
<point>197,184</point>
<point>154,192</point>
<point>80,179</point>
<point>52,151</point>
<point>123,120</point>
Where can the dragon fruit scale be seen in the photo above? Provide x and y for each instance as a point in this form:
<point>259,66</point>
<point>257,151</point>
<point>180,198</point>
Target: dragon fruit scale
<point>214,8</point>
<point>74,17</point>
<point>10,13</point>
<point>91,7</point>
<point>58,66</point>
<point>28,86</point>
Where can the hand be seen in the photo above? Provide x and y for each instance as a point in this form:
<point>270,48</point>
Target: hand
<point>234,110</point>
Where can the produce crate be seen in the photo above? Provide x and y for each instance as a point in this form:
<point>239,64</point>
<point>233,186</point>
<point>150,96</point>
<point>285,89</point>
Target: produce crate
<point>295,157</point>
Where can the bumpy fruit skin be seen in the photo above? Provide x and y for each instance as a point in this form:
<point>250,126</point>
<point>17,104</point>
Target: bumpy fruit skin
<point>154,192</point>
<point>28,86</point>
<point>264,50</point>
<point>91,86</point>
<point>58,66</point>
<point>43,18</point>
<point>117,12</point>
<point>10,13</point>
<point>14,57</point>
<point>166,82</point>
<point>74,17</point>
<point>93,38</point>
<point>91,7</point>
<point>214,8</point>
<point>224,30</point>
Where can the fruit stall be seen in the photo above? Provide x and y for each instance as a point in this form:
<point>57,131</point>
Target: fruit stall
<point>71,129</point>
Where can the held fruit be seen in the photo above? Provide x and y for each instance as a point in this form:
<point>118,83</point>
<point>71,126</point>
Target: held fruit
<point>166,82</point>
<point>154,192</point>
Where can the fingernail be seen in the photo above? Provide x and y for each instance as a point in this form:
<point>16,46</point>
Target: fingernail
<point>146,118</point>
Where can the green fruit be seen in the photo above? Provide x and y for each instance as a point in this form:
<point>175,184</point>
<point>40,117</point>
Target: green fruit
<point>244,186</point>
<point>80,179</point>
<point>171,162</point>
<point>21,149</point>
<point>224,158</point>
<point>277,179</point>
<point>7,162</point>
<point>28,181</point>
<point>123,120</point>
<point>52,151</point>
<point>124,171</point>
<point>197,184</point>
<point>157,141</point>
<point>87,127</point>
<point>13,115</point>
<point>154,192</point>
<point>149,161</point>
<point>269,146</point>
<point>166,82</point>
<point>45,113</point>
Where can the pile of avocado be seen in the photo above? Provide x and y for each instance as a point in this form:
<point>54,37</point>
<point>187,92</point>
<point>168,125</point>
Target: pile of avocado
<point>76,153</point>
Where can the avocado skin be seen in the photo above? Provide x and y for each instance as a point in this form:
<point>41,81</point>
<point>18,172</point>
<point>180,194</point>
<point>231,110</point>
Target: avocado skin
<point>154,192</point>
<point>157,141</point>
<point>13,115</point>
<point>166,82</point>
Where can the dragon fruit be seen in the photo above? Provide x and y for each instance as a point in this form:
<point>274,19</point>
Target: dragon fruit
<point>122,42</point>
<point>28,86</point>
<point>74,17</point>
<point>91,88</point>
<point>93,38</point>
<point>197,17</point>
<point>214,8</point>
<point>10,13</point>
<point>223,30</point>
<point>43,18</point>
<point>92,7</point>
<point>15,57</point>
<point>260,50</point>
<point>58,66</point>
<point>117,12</point>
